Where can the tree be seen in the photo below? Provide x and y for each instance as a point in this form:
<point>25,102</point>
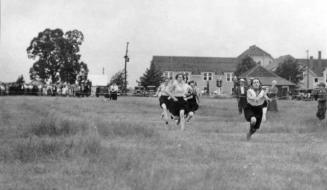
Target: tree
<point>290,70</point>
<point>151,77</point>
<point>244,65</point>
<point>57,55</point>
<point>20,80</point>
<point>118,78</point>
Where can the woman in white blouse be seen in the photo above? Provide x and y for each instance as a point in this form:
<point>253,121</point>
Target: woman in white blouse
<point>179,106</point>
<point>256,97</point>
<point>163,98</point>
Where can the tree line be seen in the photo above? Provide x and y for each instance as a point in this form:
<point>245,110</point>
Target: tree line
<point>57,58</point>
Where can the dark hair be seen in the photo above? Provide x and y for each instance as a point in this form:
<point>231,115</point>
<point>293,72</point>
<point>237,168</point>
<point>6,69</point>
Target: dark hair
<point>192,81</point>
<point>257,80</point>
<point>180,74</point>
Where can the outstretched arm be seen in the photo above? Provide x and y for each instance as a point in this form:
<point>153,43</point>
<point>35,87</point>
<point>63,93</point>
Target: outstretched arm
<point>159,89</point>
<point>169,92</point>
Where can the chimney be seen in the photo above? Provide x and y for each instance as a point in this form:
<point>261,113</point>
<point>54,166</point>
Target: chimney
<point>319,60</point>
<point>103,70</point>
<point>311,62</point>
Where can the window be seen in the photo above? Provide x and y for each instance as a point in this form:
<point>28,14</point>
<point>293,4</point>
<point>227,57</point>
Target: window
<point>229,77</point>
<point>207,76</point>
<point>168,74</point>
<point>316,80</point>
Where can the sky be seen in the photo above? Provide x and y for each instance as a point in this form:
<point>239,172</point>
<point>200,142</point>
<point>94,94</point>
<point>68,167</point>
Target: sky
<point>211,28</point>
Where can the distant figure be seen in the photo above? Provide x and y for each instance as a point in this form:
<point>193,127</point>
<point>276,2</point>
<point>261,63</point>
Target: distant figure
<point>241,96</point>
<point>272,94</point>
<point>113,91</point>
<point>321,98</point>
<point>253,110</point>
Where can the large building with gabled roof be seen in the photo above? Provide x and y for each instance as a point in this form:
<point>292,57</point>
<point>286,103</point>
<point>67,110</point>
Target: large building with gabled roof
<point>258,55</point>
<point>214,73</point>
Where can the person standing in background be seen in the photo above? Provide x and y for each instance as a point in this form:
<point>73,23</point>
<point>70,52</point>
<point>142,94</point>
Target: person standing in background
<point>272,93</point>
<point>241,96</point>
<point>113,91</point>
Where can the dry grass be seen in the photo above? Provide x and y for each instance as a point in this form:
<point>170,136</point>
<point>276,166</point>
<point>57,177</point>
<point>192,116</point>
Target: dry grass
<point>70,143</point>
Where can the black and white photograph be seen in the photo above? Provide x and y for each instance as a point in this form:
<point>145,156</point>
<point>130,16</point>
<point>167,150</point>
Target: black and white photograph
<point>163,95</point>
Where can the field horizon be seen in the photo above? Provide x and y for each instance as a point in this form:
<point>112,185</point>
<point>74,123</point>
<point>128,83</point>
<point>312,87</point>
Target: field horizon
<point>87,143</point>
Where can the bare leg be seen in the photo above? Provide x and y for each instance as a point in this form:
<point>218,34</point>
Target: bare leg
<point>164,108</point>
<point>251,131</point>
<point>189,116</point>
<point>182,119</point>
<point>264,114</point>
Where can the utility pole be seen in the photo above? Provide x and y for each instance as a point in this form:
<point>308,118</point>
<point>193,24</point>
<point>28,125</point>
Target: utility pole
<point>308,64</point>
<point>126,60</point>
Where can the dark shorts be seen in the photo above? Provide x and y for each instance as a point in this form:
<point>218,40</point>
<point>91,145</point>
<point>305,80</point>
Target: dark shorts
<point>164,100</point>
<point>192,105</point>
<point>253,111</point>
<point>176,107</point>
<point>265,104</point>
<point>113,95</point>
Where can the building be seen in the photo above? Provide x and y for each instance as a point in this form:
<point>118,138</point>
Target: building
<point>212,73</point>
<point>312,75</point>
<point>207,72</point>
<point>98,81</point>
<point>266,77</point>
<point>258,55</point>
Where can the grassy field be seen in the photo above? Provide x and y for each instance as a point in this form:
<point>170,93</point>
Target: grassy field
<point>70,143</point>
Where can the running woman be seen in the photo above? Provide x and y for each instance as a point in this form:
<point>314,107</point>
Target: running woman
<point>163,99</point>
<point>253,110</point>
<point>179,105</point>
<point>192,100</point>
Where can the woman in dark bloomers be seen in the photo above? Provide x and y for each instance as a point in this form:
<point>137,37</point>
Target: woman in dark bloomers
<point>179,106</point>
<point>256,97</point>
<point>192,100</point>
<point>163,99</point>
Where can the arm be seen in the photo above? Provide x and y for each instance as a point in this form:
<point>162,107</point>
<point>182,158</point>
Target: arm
<point>157,93</point>
<point>251,96</point>
<point>169,92</point>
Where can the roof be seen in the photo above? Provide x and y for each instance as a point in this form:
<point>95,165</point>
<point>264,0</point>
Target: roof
<point>316,65</point>
<point>254,51</point>
<point>265,76</point>
<point>98,80</point>
<point>195,65</point>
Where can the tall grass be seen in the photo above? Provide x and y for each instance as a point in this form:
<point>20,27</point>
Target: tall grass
<point>69,143</point>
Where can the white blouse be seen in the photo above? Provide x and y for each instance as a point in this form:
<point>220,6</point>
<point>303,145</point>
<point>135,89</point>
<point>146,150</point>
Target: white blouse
<point>254,99</point>
<point>180,89</point>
